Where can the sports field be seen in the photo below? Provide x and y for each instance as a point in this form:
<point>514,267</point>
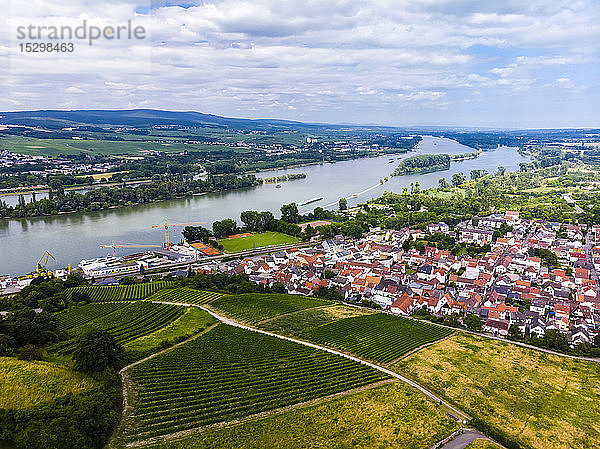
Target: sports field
<point>269,238</point>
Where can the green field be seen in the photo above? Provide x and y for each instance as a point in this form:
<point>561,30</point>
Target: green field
<point>256,241</point>
<point>389,416</point>
<point>184,295</point>
<point>126,324</point>
<point>121,292</point>
<point>296,322</point>
<point>535,399</point>
<point>230,373</point>
<point>193,320</point>
<point>256,307</point>
<point>56,147</point>
<point>27,384</point>
<point>379,337</point>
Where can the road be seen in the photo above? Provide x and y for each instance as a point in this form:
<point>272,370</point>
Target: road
<point>464,439</point>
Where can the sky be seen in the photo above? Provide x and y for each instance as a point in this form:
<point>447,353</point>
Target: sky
<point>499,64</point>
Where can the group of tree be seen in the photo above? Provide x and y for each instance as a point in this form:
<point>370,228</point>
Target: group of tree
<point>163,188</point>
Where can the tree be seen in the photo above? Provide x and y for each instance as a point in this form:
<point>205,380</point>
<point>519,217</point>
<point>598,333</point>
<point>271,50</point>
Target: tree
<point>266,221</point>
<point>328,274</point>
<point>250,218</point>
<point>501,170</point>
<point>443,184</point>
<point>343,204</point>
<point>96,351</point>
<point>458,179</point>
<point>514,332</point>
<point>473,322</point>
<point>224,228</point>
<point>196,234</point>
<point>479,173</point>
<point>289,213</point>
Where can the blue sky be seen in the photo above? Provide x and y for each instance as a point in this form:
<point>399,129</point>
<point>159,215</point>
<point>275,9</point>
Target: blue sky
<point>503,63</point>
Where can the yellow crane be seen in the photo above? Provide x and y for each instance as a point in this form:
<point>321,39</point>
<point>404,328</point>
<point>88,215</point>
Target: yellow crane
<point>115,246</point>
<point>40,269</point>
<point>167,226</point>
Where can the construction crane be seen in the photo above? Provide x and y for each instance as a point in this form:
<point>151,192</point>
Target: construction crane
<point>40,269</point>
<point>167,226</point>
<point>115,246</point>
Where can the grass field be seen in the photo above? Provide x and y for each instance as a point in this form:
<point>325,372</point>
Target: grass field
<point>27,384</point>
<point>121,292</point>
<point>125,324</point>
<point>256,241</point>
<point>194,320</point>
<point>537,399</point>
<point>297,322</point>
<point>378,337</point>
<point>256,307</point>
<point>390,416</point>
<point>184,295</point>
<point>229,373</point>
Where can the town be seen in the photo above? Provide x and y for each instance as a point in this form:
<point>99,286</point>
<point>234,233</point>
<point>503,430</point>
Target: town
<point>507,289</point>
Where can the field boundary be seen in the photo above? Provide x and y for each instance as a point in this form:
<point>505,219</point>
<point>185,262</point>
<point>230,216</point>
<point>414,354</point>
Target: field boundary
<point>258,416</point>
<point>125,378</point>
<point>456,413</point>
<point>295,311</point>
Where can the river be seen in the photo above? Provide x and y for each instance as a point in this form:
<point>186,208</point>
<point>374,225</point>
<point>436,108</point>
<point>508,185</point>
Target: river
<point>72,237</point>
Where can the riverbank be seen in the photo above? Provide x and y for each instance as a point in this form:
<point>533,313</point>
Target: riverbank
<point>75,236</point>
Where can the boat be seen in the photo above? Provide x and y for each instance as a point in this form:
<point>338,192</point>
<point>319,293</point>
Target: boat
<point>312,200</point>
<point>354,195</point>
<point>391,161</point>
<point>278,186</point>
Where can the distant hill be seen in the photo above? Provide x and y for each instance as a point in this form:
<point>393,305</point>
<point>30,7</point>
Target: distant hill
<point>137,118</point>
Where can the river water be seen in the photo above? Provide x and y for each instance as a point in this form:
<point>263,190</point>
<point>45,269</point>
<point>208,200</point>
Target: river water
<point>72,237</point>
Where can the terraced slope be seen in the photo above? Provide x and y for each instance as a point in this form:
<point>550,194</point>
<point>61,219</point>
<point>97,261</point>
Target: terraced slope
<point>229,373</point>
<point>184,295</point>
<point>125,323</point>
<point>256,307</point>
<point>120,292</point>
<point>379,337</point>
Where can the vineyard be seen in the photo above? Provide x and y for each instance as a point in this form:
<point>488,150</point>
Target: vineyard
<point>184,295</point>
<point>121,292</point>
<point>379,337</point>
<point>255,307</point>
<point>229,373</point>
<point>297,322</point>
<point>78,316</point>
<point>125,324</point>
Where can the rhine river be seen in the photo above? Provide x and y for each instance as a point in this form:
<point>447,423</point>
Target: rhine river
<point>73,237</point>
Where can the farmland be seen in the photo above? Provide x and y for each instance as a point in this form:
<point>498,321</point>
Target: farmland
<point>296,322</point>
<point>121,292</point>
<point>229,373</point>
<point>194,320</point>
<point>264,239</point>
<point>27,384</point>
<point>184,295</point>
<point>379,337</point>
<point>389,416</point>
<point>125,324</point>
<point>535,399</point>
<point>253,307</point>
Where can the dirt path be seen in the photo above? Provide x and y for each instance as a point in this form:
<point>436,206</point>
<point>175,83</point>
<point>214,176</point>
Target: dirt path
<point>126,385</point>
<point>457,414</point>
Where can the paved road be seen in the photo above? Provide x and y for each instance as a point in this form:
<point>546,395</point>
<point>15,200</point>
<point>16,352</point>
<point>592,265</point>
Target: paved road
<point>464,439</point>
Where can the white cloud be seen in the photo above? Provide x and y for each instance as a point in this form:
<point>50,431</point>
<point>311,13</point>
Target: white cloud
<point>337,61</point>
